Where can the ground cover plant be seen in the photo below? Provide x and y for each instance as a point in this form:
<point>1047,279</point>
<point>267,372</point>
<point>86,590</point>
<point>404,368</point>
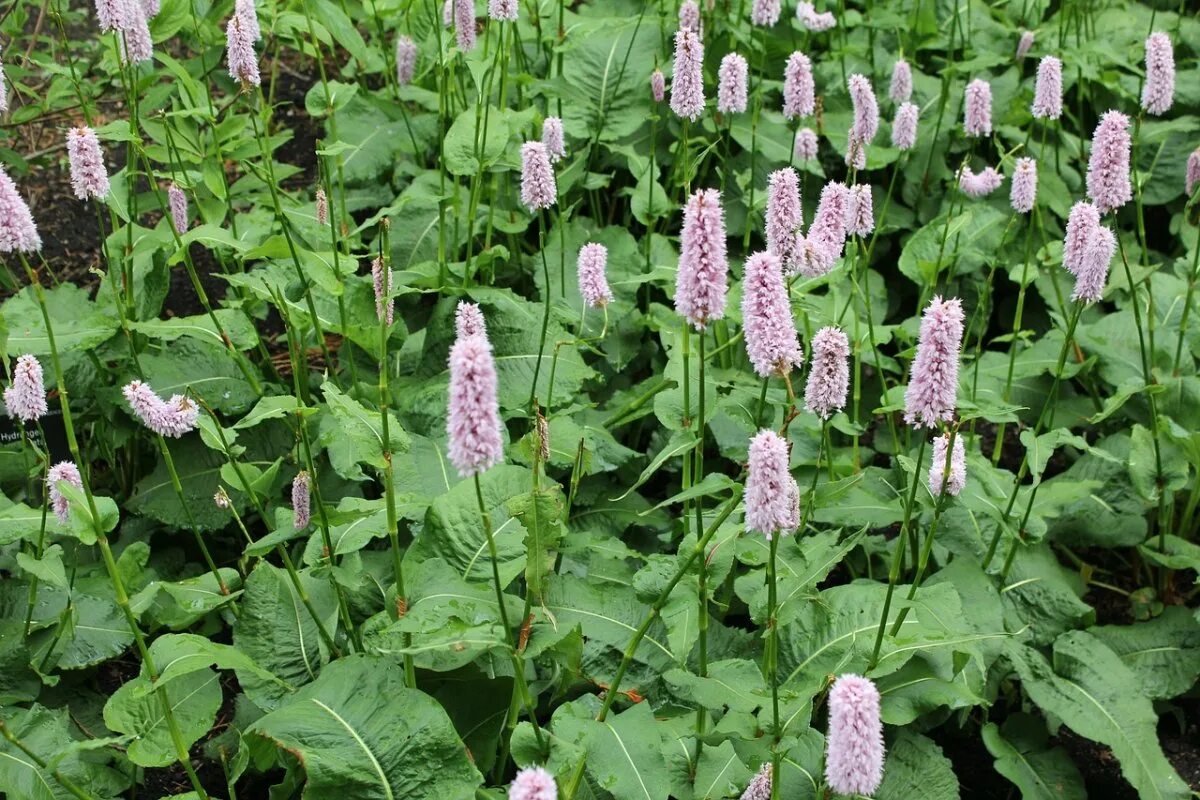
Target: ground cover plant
<point>600,400</point>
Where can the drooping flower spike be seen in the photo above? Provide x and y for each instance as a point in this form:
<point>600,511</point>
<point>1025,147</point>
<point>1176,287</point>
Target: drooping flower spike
<point>771,340</point>
<point>932,391</point>
<point>768,483</point>
<point>538,188</point>
<point>473,418</point>
<point>799,90</point>
<point>904,128</point>
<point>829,376</point>
<point>1048,91</point>
<point>25,398</point>
<point>687,81</point>
<point>854,746</point>
<point>18,232</point>
<point>593,282</point>
<point>1158,92</point>
<point>1108,168</point>
<point>66,472</point>
<point>171,418</point>
<point>731,84</point>
<point>89,178</point>
<point>977,108</point>
<point>816,22</point>
<point>301,500</point>
<point>1024,185</point>
<point>958,467</point>
<point>533,783</point>
<point>703,276</point>
<point>979,185</point>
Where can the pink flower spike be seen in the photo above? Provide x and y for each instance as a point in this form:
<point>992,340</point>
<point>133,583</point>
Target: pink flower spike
<point>301,500</point>
<point>171,418</point>
<point>854,745</point>
<point>1024,44</point>
<point>533,783</point>
<point>799,91</point>
<point>151,8</point>
<point>810,19</point>
<point>473,418</point>
<point>689,15</point>
<point>768,506</point>
<point>464,24</point>
<point>687,81</point>
<point>1093,266</point>
<point>784,215</point>
<point>1048,91</point>
<point>770,331</point>
<point>703,275</point>
<point>468,320</point>
<point>856,151</point>
<point>829,376</point>
<point>406,60</point>
<point>381,280</point>
<point>88,176</point>
<point>552,137</point>
<point>18,231</point>
<point>980,185</point>
<point>65,472</point>
<point>1158,92</point>
<point>958,467</point>
<point>933,387</point>
<point>1108,168</point>
<point>25,399</point>
<point>866,109</point>
<point>827,234</point>
<point>247,16</point>
<point>860,211</point>
<point>904,128</point>
<point>658,86</point>
<point>503,10</point>
<point>178,205</point>
<point>593,283</point>
<point>538,189</point>
<point>1191,175</point>
<point>114,14</point>
<point>239,50</point>
<point>731,84</point>
<point>759,787</point>
<point>765,13</point>
<point>322,203</point>
<point>448,13</point>
<point>136,43</point>
<point>900,89</point>
<point>977,108</point>
<point>1082,222</point>
<point>806,144</point>
<point>1024,185</point>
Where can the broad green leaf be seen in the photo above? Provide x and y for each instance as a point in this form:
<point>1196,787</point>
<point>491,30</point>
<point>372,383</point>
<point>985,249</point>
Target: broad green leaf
<point>1022,755</point>
<point>353,435</point>
<point>194,699</point>
<point>915,767</point>
<point>48,734</point>
<point>235,324</point>
<point>79,325</point>
<point>624,753</point>
<point>1163,652</point>
<point>461,148</point>
<point>540,513</point>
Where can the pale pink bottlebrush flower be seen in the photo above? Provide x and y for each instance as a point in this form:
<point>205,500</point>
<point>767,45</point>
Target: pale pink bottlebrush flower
<point>25,399</point>
<point>172,418</point>
<point>247,16</point>
<point>533,783</point>
<point>827,234</point>
<point>593,283</point>
<point>18,231</point>
<point>1048,91</point>
<point>1024,185</point>
<point>503,10</point>
<point>89,178</point>
<point>703,275</point>
<point>136,43</point>
<point>900,89</point>
<point>689,15</point>
<point>448,13</point>
<point>759,787</point>
<point>731,84</point>
<point>538,189</point>
<point>799,91</point>
<point>829,376</point>
<point>768,507</point>
<point>464,24</point>
<point>658,86</point>
<point>977,108</point>
<point>552,137</point>
<point>1158,92</point>
<point>958,467</point>
<point>979,185</point>
<point>856,151</point>
<point>805,146</point>
<point>1082,222</point>
<point>65,472</point>
<point>406,60</point>
<point>933,388</point>
<point>1108,168</point>
<point>813,21</point>
<point>793,497</point>
<point>381,280</point>
<point>151,8</point>
<point>1191,175</point>
<point>1024,44</point>
<point>687,80</point>
<point>784,215</point>
<point>301,500</point>
<point>178,204</point>
<point>473,418</point>
<point>904,128</point>
<point>813,257</point>
<point>1093,266</point>
<point>854,745</point>
<point>468,320</point>
<point>866,108</point>
<point>771,340</point>
<point>765,13</point>
<point>239,51</point>
<point>322,207</point>
<point>114,14</point>
<point>860,211</point>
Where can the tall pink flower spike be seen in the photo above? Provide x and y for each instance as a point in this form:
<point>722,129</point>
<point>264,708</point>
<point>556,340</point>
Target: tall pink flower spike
<point>771,340</point>
<point>958,467</point>
<point>1024,185</point>
<point>1158,92</point>
<point>703,276</point>
<point>765,13</point>
<point>538,188</point>
<point>687,82</point>
<point>731,84</point>
<point>799,91</point>
<point>977,108</point>
<point>854,745</point>
<point>67,472</point>
<point>18,232</point>
<point>25,398</point>
<point>901,86</point>
<point>473,417</point>
<point>533,783</point>
<point>904,128</point>
<point>829,377</point>
<point>593,283</point>
<point>1047,93</point>
<point>89,178</point>
<point>784,215</point>
<point>301,500</point>
<point>768,481</point>
<point>1108,168</point>
<point>932,391</point>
